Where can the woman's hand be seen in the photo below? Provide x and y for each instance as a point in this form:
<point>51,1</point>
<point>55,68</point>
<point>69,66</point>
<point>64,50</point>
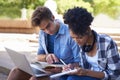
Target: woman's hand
<point>80,71</point>
<point>70,66</point>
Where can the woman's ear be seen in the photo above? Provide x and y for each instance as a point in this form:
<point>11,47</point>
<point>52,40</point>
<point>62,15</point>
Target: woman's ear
<point>88,32</point>
<point>52,18</point>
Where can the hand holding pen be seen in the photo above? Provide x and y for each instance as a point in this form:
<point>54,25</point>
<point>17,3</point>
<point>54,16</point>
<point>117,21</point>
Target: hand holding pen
<point>70,65</point>
<point>66,67</point>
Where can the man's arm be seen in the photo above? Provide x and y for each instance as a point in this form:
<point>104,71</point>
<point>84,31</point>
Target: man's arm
<point>75,50</point>
<point>41,54</point>
<point>41,57</point>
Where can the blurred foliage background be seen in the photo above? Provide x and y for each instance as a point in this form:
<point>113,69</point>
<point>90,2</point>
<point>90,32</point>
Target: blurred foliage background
<point>12,8</point>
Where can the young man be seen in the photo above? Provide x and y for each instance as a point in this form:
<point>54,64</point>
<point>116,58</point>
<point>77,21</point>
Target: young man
<point>54,38</point>
<point>55,41</point>
<point>99,55</point>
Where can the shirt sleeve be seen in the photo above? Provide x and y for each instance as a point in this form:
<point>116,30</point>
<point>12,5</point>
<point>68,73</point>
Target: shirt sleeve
<point>106,76</point>
<point>75,49</point>
<point>113,60</point>
<point>40,48</point>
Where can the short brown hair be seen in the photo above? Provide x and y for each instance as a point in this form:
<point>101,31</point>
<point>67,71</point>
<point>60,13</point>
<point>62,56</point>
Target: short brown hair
<point>40,13</point>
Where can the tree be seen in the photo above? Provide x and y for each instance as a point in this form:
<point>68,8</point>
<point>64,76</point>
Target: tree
<point>12,8</point>
<point>63,5</point>
<point>109,7</point>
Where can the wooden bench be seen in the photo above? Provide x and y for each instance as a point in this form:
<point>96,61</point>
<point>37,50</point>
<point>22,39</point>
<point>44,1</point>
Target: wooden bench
<point>17,26</point>
<point>114,33</point>
<point>116,37</point>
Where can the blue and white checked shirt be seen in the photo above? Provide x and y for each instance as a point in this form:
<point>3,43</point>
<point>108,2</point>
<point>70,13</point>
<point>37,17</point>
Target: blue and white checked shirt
<point>108,57</point>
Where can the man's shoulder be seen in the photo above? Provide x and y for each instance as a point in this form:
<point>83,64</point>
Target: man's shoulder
<point>41,33</point>
<point>64,29</point>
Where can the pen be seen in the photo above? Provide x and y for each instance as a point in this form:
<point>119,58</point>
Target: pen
<point>63,62</point>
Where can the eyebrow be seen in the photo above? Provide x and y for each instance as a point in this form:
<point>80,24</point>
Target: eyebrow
<point>78,37</point>
<point>48,25</point>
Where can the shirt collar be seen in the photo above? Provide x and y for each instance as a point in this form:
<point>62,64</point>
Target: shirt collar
<point>97,39</point>
<point>61,29</point>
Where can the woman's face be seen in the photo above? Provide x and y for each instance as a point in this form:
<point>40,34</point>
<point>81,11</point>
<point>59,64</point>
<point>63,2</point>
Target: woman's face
<point>81,40</point>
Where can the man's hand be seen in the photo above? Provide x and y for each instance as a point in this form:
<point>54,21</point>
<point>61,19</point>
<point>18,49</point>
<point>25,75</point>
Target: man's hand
<point>51,58</point>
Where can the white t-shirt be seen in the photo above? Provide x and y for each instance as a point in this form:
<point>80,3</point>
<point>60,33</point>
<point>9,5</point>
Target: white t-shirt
<point>93,61</point>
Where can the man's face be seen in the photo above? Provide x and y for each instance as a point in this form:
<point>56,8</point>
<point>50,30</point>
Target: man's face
<point>48,26</point>
<point>81,40</point>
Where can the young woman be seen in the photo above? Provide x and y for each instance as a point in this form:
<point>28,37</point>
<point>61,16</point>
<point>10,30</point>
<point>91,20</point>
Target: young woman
<point>99,55</point>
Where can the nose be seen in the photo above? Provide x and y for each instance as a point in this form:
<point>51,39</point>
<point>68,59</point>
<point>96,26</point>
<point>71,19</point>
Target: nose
<point>75,39</point>
<point>78,41</point>
<point>46,31</point>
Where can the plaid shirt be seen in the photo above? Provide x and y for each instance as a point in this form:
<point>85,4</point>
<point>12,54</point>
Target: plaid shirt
<point>108,57</point>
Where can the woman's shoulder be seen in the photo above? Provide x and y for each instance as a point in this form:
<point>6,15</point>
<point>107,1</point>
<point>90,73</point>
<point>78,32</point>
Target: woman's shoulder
<point>104,37</point>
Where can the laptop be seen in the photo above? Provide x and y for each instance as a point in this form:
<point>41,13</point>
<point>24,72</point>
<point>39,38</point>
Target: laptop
<point>22,63</point>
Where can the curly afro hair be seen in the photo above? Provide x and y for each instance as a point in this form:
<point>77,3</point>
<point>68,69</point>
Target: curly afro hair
<point>78,19</point>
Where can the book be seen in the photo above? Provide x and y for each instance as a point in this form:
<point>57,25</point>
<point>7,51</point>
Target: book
<point>53,68</point>
<point>62,73</point>
<point>47,65</point>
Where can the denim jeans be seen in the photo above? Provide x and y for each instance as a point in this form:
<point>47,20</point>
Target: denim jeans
<point>75,77</point>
